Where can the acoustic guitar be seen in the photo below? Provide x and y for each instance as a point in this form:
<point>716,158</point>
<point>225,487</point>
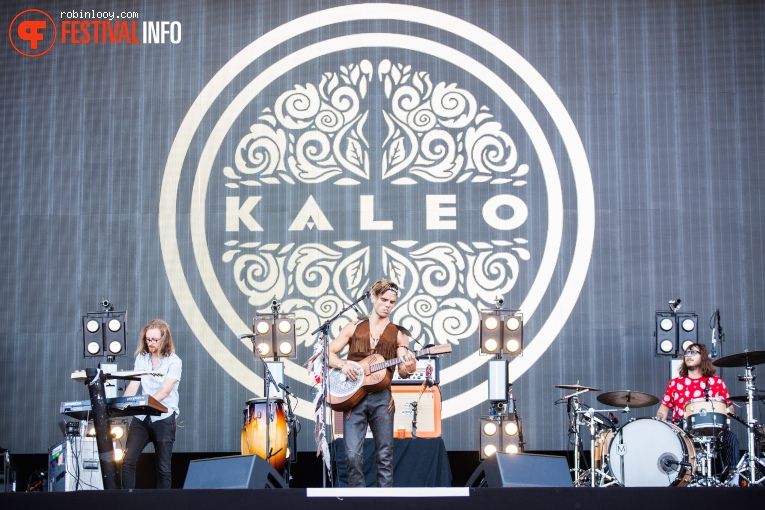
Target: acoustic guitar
<point>343,393</point>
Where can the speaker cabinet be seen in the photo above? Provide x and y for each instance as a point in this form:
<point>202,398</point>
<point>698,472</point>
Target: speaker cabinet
<point>521,470</point>
<point>428,405</point>
<point>235,472</point>
<point>74,465</point>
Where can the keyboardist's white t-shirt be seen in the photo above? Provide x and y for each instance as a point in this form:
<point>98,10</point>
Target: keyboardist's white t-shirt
<point>171,366</point>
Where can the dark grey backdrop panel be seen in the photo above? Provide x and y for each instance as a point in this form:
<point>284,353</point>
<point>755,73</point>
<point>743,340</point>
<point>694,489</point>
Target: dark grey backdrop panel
<point>667,98</point>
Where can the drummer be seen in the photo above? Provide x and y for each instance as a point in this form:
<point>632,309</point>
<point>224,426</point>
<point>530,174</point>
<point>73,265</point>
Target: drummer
<point>697,380</point>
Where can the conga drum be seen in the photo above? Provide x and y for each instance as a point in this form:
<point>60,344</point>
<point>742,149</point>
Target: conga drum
<point>253,440</point>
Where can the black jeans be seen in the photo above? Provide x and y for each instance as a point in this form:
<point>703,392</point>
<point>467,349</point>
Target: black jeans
<point>161,434</point>
<point>372,410</point>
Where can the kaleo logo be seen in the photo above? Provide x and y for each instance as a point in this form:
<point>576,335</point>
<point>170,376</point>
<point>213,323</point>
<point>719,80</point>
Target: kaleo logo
<point>376,167</point>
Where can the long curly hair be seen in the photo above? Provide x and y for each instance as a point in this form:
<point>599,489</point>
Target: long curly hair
<point>707,368</point>
<point>165,347</point>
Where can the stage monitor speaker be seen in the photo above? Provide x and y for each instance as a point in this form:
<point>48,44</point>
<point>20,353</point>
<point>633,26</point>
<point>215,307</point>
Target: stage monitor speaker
<point>235,472</point>
<point>521,470</point>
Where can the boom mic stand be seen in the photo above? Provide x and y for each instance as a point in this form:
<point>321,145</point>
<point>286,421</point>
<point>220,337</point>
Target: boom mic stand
<point>323,332</point>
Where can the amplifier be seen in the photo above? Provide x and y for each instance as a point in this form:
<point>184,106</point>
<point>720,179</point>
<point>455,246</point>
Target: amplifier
<point>74,465</point>
<point>428,412</point>
<point>428,406</point>
<point>423,364</point>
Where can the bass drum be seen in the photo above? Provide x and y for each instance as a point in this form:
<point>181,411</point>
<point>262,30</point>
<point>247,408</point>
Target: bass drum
<point>253,440</point>
<point>648,452</point>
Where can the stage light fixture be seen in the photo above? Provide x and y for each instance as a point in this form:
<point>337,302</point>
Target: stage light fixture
<point>276,335</point>
<point>501,332</point>
<point>499,433</point>
<point>674,332</point>
<point>513,334</point>
<point>490,333</point>
<point>489,437</point>
<point>104,333</point>
<point>117,430</point>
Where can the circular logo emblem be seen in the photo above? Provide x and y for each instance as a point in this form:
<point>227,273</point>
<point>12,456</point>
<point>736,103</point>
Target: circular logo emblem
<point>306,176</point>
<point>32,33</point>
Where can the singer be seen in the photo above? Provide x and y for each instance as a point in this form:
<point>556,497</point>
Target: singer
<point>375,334</point>
<point>155,353</point>
<point>697,380</point>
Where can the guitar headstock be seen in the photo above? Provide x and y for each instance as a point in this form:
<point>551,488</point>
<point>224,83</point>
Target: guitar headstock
<point>439,350</point>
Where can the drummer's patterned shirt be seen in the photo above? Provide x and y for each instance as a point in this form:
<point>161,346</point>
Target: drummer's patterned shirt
<point>682,389</point>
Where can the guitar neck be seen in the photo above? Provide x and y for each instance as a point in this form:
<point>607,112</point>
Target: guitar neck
<point>396,361</point>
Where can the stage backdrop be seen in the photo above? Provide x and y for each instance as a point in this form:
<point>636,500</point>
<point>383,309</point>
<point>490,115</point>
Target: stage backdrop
<point>587,161</point>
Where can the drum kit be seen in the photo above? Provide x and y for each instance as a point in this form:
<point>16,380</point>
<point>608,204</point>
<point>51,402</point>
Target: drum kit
<point>648,452</point>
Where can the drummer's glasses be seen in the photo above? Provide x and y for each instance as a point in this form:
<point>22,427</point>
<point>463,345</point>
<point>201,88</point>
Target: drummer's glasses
<point>690,353</point>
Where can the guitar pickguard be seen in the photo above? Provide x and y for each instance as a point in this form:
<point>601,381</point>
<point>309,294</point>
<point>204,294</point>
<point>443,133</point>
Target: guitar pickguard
<point>340,385</point>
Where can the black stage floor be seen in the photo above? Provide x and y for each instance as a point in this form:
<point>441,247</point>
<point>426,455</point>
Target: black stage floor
<point>400,499</point>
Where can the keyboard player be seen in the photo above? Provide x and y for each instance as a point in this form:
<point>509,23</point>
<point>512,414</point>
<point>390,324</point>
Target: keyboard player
<point>155,353</point>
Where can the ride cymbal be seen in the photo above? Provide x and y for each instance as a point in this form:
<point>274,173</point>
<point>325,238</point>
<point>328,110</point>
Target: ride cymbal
<point>627,398</point>
<point>577,387</point>
<point>742,359</point>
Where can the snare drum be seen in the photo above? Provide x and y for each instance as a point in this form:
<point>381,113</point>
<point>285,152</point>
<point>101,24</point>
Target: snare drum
<point>707,417</point>
<point>651,453</point>
<point>253,440</point>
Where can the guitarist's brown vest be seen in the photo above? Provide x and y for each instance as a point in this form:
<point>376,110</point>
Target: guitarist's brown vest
<point>359,345</point>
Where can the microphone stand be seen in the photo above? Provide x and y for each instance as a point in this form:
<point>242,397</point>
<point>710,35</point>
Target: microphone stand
<point>269,379</point>
<point>323,332</point>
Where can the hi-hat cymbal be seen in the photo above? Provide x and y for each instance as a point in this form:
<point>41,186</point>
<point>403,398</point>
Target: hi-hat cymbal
<point>742,359</point>
<point>744,398</point>
<point>577,387</point>
<point>627,398</point>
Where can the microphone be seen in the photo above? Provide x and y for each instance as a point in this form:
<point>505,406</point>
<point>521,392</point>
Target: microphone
<point>246,335</point>
<point>613,418</point>
<point>285,389</point>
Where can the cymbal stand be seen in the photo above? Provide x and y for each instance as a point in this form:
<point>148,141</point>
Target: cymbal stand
<point>576,423</point>
<point>598,477</point>
<point>749,460</point>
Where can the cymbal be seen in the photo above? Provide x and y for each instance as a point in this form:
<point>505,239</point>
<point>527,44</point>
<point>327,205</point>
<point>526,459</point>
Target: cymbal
<point>742,359</point>
<point>577,387</point>
<point>627,398</point>
<point>744,398</point>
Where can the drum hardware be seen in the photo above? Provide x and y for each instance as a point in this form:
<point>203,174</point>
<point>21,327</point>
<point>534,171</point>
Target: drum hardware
<point>747,466</point>
<point>594,476</point>
<point>704,459</point>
